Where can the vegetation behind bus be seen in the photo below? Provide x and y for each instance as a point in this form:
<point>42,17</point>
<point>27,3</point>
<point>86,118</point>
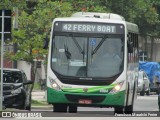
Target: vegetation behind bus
<point>34,20</point>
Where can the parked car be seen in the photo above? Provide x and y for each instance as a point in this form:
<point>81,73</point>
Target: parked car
<point>152,71</point>
<point>16,89</point>
<point>143,84</point>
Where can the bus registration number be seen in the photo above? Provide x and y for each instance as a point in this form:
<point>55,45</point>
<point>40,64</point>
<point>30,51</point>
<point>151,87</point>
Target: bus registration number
<point>84,101</point>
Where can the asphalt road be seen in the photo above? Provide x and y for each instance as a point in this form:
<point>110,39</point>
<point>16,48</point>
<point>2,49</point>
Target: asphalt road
<point>146,105</point>
<point>142,104</point>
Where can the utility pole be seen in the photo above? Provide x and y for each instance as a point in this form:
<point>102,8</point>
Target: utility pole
<point>2,42</point>
<point>15,27</point>
<point>5,26</point>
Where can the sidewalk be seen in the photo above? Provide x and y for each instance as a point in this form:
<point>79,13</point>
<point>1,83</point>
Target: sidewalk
<point>39,95</point>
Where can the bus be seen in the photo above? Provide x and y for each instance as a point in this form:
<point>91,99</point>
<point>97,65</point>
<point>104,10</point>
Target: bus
<point>78,74</point>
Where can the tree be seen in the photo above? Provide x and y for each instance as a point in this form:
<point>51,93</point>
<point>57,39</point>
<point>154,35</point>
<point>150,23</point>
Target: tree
<point>140,12</point>
<point>34,26</point>
<point>86,5</point>
<point>156,6</point>
<point>35,20</point>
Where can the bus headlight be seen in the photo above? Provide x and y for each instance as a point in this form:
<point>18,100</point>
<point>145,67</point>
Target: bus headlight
<point>116,88</point>
<point>54,84</point>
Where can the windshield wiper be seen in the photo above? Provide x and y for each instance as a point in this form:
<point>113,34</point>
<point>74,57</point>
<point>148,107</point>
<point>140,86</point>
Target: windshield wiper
<point>67,53</point>
<point>99,45</point>
<point>78,46</point>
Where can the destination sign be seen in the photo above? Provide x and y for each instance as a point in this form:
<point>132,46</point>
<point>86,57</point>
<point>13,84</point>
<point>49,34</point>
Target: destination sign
<point>88,28</point>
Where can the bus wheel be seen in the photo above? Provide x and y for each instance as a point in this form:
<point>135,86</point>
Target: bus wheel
<point>72,109</point>
<point>143,91</point>
<point>148,92</point>
<point>59,108</point>
<point>118,110</point>
<point>128,109</point>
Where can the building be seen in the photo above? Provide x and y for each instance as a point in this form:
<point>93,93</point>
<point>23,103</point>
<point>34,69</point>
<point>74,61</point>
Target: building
<point>150,45</point>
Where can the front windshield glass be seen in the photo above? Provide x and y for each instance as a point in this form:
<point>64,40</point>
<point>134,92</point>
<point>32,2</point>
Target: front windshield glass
<point>87,56</point>
<point>12,76</point>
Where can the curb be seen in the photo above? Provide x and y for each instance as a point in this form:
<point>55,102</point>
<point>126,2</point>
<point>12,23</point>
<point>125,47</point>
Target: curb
<point>48,107</point>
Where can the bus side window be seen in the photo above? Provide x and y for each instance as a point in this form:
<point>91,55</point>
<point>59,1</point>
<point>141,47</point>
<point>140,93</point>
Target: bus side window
<point>130,47</point>
<point>133,47</point>
<point>130,43</point>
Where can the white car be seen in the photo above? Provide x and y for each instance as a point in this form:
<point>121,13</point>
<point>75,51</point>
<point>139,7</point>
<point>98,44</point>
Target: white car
<point>143,84</point>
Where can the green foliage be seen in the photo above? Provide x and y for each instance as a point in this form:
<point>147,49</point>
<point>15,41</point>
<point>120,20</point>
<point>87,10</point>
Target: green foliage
<point>34,25</point>
<point>38,103</point>
<point>35,21</point>
<point>36,86</point>
<point>141,12</point>
<point>147,17</point>
<point>9,4</point>
<point>145,13</point>
<point>86,5</point>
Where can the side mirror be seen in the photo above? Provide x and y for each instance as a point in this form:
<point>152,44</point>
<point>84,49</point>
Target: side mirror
<point>28,82</point>
<point>46,42</point>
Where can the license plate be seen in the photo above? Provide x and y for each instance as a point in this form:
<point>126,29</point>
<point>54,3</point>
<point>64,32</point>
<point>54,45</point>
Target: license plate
<point>82,101</point>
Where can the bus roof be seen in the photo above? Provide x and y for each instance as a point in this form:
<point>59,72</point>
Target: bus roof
<point>132,27</point>
<point>101,17</point>
<point>86,19</point>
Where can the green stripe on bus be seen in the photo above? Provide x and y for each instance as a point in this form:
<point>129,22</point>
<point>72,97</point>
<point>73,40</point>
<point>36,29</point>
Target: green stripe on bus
<point>90,90</point>
<point>54,96</point>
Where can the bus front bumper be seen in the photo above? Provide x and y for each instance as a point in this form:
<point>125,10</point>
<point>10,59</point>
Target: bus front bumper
<point>85,99</point>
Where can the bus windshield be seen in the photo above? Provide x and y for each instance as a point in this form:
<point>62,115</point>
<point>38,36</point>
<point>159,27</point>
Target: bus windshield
<point>79,55</point>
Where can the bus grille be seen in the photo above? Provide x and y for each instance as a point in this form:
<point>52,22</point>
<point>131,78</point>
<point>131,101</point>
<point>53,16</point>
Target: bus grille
<point>76,98</point>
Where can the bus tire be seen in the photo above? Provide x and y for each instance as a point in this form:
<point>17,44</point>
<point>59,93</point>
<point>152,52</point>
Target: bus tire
<point>143,91</point>
<point>59,108</point>
<point>148,92</point>
<point>128,109</point>
<point>72,109</point>
<point>118,110</point>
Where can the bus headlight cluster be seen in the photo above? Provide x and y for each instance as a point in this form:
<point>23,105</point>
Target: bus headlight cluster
<point>116,88</point>
<point>54,84</point>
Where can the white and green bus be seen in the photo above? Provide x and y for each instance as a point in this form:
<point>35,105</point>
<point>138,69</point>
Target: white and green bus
<point>78,74</point>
